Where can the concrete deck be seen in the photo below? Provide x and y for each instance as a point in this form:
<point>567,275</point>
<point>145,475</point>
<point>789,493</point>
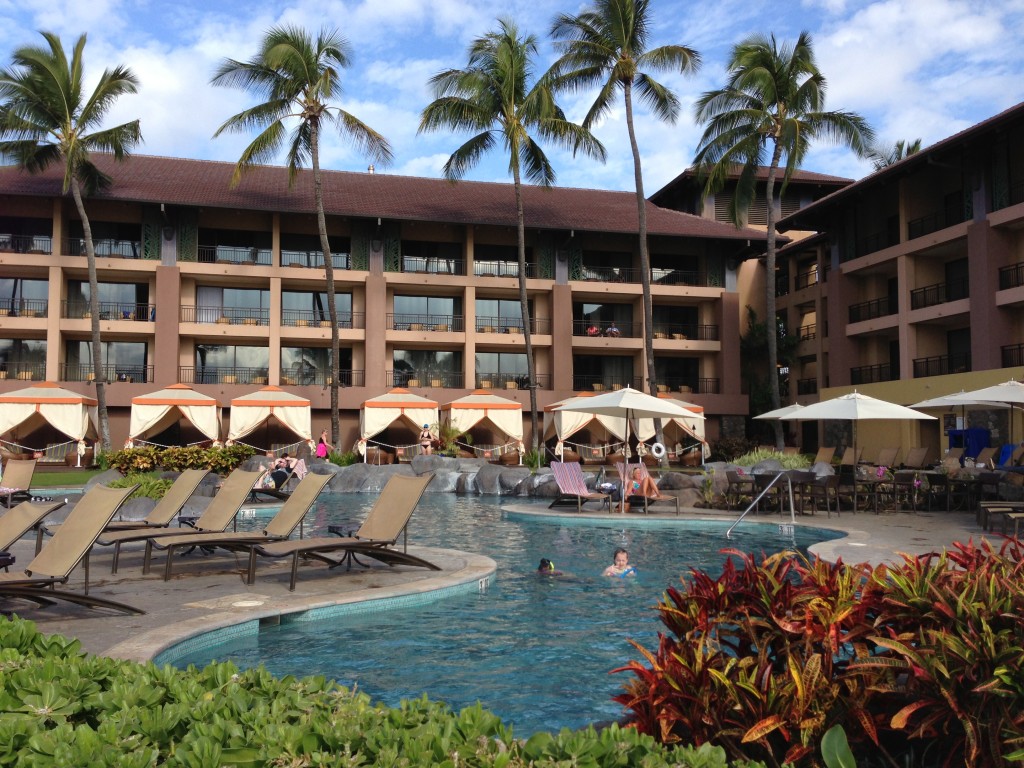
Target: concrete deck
<point>208,592</point>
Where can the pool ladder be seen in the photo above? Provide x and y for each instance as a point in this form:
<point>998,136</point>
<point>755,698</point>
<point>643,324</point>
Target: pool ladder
<point>792,509</point>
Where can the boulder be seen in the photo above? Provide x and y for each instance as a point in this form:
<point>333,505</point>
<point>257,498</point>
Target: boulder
<point>466,483</point>
<point>136,509</point>
<point>488,479</point>
<point>378,478</point>
<point>103,478</point>
<point>511,477</point>
<point>444,481</point>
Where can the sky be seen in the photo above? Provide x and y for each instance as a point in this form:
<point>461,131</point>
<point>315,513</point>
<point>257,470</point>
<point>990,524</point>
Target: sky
<point>913,68</point>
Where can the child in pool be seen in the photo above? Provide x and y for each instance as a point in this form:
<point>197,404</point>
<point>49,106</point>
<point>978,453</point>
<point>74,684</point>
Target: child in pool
<point>547,568</point>
<point>620,565</point>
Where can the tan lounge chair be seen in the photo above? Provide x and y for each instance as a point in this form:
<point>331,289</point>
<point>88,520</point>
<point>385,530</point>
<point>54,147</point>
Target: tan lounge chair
<point>986,456</point>
<point>280,527</point>
<point>18,474</point>
<point>916,458</point>
<point>217,517</point>
<point>69,546</point>
<point>825,454</point>
<point>887,457</point>
<point>626,473</point>
<point>572,487</point>
<point>19,520</point>
<point>376,537</point>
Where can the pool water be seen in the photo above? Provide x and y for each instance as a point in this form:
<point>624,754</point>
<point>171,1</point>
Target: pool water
<point>536,650</point>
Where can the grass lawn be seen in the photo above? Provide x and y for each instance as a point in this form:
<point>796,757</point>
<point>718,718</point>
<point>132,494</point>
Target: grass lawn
<point>68,479</point>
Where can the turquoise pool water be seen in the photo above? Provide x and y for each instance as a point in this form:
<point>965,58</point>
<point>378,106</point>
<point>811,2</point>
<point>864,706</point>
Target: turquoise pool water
<point>537,650</point>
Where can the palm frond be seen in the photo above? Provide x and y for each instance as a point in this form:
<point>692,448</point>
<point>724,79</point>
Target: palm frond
<point>263,149</point>
<point>534,163</point>
<point>468,155</point>
<point>365,138</point>
<point>659,99</point>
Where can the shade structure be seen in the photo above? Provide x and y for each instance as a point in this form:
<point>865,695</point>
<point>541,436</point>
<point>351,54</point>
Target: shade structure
<point>251,411</point>
<point>480,406</point>
<point>46,402</point>
<point>563,424</point>
<point>155,412</point>
<point>379,413</point>
<point>778,413</point>
<point>692,425</point>
<point>1009,393</point>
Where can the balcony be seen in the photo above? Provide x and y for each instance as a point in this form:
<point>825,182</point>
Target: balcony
<point>188,374</point>
<point>486,324</point>
<point>684,332</point>
<point>806,279</point>
<point>502,269</point>
<point>511,380</point>
<point>870,374</point>
<point>110,372</point>
<point>601,328</point>
<point>309,376</point>
<point>225,315</point>
<point>940,365</point>
<point>807,386</point>
<point>876,241</point>
<point>605,382</point>
<point>235,254</point>
<point>109,310</point>
<point>1011,276</point>
<point>602,274</point>
<point>24,307</point>
<point>442,323</point>
<point>782,284</point>
<point>869,310</point>
<point>686,386</point>
<point>110,248</point>
<point>940,293</point>
<point>314,259</point>
<point>40,244</point>
<point>433,265</point>
<point>1013,355</point>
<point>808,332</point>
<point>933,222</point>
<point>303,318</point>
<point>432,379</point>
<point>665,276</point>
<point>27,371</point>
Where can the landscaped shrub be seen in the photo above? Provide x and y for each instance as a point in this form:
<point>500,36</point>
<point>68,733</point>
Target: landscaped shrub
<point>221,459</point>
<point>346,459</point>
<point>919,663</point>
<point>787,460</point>
<point>150,485</point>
<point>60,707</point>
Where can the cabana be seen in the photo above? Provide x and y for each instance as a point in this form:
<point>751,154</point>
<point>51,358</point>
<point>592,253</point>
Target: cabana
<point>562,425</point>
<point>155,412</point>
<point>481,408</point>
<point>397,406</point>
<point>265,406</point>
<point>687,431</point>
<point>25,411</point>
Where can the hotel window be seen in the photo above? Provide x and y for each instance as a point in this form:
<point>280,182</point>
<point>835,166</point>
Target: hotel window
<point>215,362</point>
<point>20,297</point>
<point>299,306</point>
<point>304,366</point>
<point>122,360</point>
<point>214,302</point>
<point>128,301</point>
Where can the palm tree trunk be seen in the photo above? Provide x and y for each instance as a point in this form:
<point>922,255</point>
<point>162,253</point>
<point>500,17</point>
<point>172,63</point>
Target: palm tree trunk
<point>524,306</point>
<point>770,321</point>
<point>94,321</point>
<point>332,307</point>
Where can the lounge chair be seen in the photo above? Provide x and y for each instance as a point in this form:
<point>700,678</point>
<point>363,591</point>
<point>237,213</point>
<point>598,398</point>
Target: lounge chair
<point>280,527</point>
<point>18,474</point>
<point>985,456</point>
<point>572,487</point>
<point>376,537</point>
<point>825,454</point>
<point>916,458</point>
<point>69,546</point>
<point>217,517</point>
<point>849,459</point>
<point>887,457</point>
<point>19,520</point>
<point>626,473</point>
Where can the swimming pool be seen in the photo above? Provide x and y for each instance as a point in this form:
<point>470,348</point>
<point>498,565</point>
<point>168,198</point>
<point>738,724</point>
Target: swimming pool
<point>536,650</point>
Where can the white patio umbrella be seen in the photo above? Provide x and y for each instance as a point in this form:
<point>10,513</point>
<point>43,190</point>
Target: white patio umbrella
<point>779,413</point>
<point>1008,393</point>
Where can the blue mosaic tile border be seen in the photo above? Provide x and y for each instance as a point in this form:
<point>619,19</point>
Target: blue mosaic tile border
<point>206,640</point>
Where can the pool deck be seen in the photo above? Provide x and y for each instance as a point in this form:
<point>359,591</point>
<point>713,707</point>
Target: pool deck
<point>208,592</point>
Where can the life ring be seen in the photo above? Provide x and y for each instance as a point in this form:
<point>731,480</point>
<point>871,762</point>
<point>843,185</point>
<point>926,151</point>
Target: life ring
<point>658,450</point>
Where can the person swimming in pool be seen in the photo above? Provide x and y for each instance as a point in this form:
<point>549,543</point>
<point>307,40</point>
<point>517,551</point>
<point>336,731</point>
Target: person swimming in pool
<point>620,565</point>
<point>547,568</point>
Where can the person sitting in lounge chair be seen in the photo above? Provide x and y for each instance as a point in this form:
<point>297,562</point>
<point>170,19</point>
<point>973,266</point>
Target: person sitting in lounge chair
<point>638,486</point>
<point>283,469</point>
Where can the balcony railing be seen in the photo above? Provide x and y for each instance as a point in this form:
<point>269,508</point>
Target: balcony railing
<point>511,325</point>
<point>314,259</point>
<point>933,222</point>
<point>869,374</point>
<point>433,265</point>
<point>306,377</point>
<point>806,279</point>
<point>685,332</point>
<point>115,249</point>
<point>1013,355</point>
<point>235,254</point>
<point>109,310</point>
<point>605,382</point>
<point>687,386</point>
<point>225,315</point>
<point>24,307</point>
<point>808,332</point>
<point>1011,276</point>
<point>110,372</point>
<point>807,386</point>
<point>406,322</point>
<point>511,380</point>
<point>666,276</point>
<point>502,269</point>
<point>782,284</point>
<point>940,365</point>
<point>940,293</point>
<point>869,310</point>
<point>303,318</point>
<point>431,379</point>
<point>188,374</point>
<point>599,274</point>
<point>26,244</point>
<point>872,243</point>
<point>606,328</point>
<point>13,369</point>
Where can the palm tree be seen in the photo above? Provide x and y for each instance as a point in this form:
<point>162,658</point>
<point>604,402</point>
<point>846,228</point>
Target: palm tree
<point>297,77</point>
<point>882,156</point>
<point>46,118</point>
<point>772,107</point>
<point>494,95</point>
<point>606,45</point>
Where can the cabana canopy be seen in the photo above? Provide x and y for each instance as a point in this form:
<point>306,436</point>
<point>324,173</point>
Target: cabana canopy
<point>155,412</point>
<point>67,411</point>
<point>379,413</point>
<point>481,406</point>
<point>251,411</point>
<point>692,425</point>
<point>564,424</point>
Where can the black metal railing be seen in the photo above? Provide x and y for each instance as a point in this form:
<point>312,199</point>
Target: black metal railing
<point>235,254</point>
<point>869,374</point>
<point>684,332</point>
<point>869,310</point>
<point>940,365</point>
<point>314,259</point>
<point>1013,355</point>
<point>667,276</point>
<point>511,380</point>
<point>1011,276</point>
<point>806,279</point>
<point>606,328</point>
<point>41,244</point>
<point>605,382</point>
<point>407,322</point>
<point>807,386</point>
<point>115,249</point>
<point>225,315</point>
<point>24,307</point>
<point>303,318</point>
<point>935,221</point>
<point>431,379</point>
<point>110,372</point>
<point>808,332</point>
<point>27,371</point>
<point>486,324</point>
<point>600,274</point>
<point>872,243</point>
<point>782,284</point>
<point>188,374</point>
<point>433,265</point>
<point>109,310</point>
<point>306,376</point>
<point>688,386</point>
<point>940,293</point>
<point>502,269</point>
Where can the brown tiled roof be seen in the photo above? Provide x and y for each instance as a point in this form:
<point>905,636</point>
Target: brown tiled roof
<point>798,177</point>
<point>204,183</point>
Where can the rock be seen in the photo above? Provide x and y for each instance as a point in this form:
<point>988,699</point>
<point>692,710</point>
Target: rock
<point>136,509</point>
<point>103,478</point>
<point>672,481</point>
<point>766,467</point>
<point>511,477</point>
<point>488,479</point>
<point>376,480</point>
<point>690,497</point>
<point>466,483</point>
<point>444,481</point>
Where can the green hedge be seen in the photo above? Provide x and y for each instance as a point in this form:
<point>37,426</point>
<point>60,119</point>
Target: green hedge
<point>221,460</point>
<point>59,706</point>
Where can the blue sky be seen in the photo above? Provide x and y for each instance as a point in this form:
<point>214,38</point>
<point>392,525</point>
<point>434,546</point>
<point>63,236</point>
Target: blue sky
<point>913,68</point>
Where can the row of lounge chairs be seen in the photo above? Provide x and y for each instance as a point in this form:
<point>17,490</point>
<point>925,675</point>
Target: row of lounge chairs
<point>90,523</point>
<point>573,490</point>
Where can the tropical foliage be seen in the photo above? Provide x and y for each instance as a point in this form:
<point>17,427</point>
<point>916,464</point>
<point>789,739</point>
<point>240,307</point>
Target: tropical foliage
<point>882,156</point>
<point>221,460</point>
<point>150,485</point>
